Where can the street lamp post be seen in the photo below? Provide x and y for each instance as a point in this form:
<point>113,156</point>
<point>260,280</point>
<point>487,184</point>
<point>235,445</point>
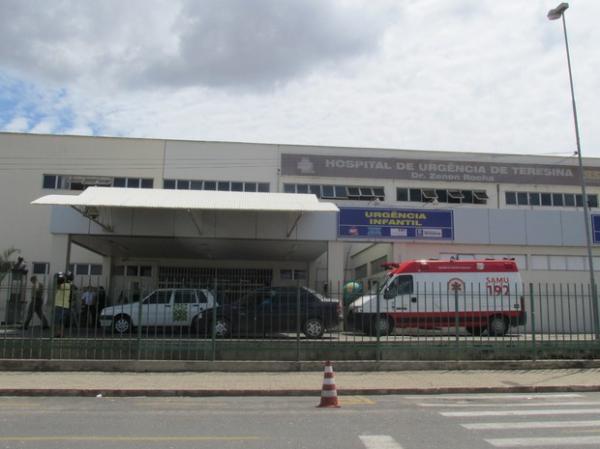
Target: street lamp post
<point>555,14</point>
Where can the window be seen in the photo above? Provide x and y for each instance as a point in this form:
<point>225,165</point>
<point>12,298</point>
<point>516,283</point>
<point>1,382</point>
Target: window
<point>185,297</point>
<point>510,198</point>
<point>201,297</point>
<point>328,192</point>
<point>376,265</point>
<point>119,182</point>
<point>534,199</point>
<point>49,182</point>
<point>415,195</point>
<point>132,270</point>
<point>428,195</point>
<point>40,268</point>
<point>264,187</point>
<point>96,270</point>
<point>401,285</point>
<point>250,187</point>
<point>82,269</point>
<point>401,194</point>
<point>558,262</point>
<point>361,271</point>
<point>290,275</point>
<point>133,182</point>
<point>569,199</point>
<point>169,183</point>
<point>159,297</point>
<point>237,186</point>
<point>548,199</point>
<point>146,271</point>
<point>119,270</point>
<point>557,199</point>
<point>210,185</point>
<point>147,183</point>
<point>183,184</point>
<point>361,193</point>
<point>223,186</point>
<point>451,196</point>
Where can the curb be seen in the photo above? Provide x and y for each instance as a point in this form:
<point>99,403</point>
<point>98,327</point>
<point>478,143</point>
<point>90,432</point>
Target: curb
<point>171,366</point>
<point>66,392</point>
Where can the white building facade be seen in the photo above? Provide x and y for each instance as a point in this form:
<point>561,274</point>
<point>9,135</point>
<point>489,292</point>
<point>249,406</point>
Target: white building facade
<point>393,205</point>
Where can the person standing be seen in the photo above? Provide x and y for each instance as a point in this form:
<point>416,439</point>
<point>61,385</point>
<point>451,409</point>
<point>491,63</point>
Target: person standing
<point>62,304</point>
<point>88,300</point>
<point>36,303</point>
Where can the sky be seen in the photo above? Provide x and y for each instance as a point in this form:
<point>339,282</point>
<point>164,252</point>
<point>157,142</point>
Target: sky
<point>451,75</point>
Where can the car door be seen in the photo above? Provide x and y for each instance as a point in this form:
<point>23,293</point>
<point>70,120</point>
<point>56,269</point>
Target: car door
<point>156,308</point>
<point>400,300</point>
<point>256,313</point>
<point>185,307</point>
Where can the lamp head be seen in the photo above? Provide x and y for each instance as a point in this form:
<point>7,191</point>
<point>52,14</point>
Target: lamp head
<point>557,12</point>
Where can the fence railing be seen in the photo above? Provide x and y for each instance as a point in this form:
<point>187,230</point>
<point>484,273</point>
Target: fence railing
<point>238,321</point>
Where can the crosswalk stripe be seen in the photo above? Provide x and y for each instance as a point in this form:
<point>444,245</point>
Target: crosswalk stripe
<point>553,441</point>
<point>576,411</point>
<point>524,404</point>
<point>530,425</point>
<point>379,442</point>
<point>501,396</point>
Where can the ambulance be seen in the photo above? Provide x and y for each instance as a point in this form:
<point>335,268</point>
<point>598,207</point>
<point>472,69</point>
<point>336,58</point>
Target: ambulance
<point>479,296</point>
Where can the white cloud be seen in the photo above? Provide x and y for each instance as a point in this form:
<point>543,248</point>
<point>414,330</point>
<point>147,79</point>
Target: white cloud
<point>431,74</point>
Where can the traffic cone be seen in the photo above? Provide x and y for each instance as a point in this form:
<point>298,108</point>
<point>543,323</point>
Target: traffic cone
<point>328,392</point>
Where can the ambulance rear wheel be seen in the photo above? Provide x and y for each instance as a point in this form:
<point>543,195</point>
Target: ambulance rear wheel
<point>498,326</point>
<point>384,324</point>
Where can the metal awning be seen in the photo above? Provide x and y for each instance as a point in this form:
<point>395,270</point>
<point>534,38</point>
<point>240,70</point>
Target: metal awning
<point>189,200</point>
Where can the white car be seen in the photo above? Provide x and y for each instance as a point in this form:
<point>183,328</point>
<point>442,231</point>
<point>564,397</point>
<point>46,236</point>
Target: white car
<point>182,307</point>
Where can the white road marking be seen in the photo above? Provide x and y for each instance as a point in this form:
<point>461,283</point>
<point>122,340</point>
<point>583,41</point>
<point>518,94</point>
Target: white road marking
<point>544,442</point>
<point>519,404</point>
<point>530,425</point>
<point>576,411</point>
<point>379,442</point>
<point>501,396</point>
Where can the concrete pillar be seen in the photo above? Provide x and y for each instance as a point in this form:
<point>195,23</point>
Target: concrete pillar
<point>335,267</point>
<point>61,253</point>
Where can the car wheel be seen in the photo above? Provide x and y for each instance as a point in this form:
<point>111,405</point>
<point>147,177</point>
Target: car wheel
<point>384,324</point>
<point>122,324</point>
<point>498,326</point>
<point>222,328</point>
<point>313,328</point>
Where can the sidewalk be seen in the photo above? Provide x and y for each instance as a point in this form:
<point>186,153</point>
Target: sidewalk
<point>295,384</point>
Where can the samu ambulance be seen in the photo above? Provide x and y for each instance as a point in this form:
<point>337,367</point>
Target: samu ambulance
<point>478,295</point>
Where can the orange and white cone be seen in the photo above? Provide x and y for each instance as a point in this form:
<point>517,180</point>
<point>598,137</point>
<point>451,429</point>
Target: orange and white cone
<point>329,393</point>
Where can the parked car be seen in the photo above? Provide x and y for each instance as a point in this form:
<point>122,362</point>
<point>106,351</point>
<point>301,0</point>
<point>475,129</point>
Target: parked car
<point>279,309</point>
<point>185,307</point>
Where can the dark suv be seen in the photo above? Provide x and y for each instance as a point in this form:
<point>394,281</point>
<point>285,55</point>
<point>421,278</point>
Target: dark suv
<point>278,309</point>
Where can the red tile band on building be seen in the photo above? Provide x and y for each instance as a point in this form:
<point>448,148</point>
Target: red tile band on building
<point>328,392</point>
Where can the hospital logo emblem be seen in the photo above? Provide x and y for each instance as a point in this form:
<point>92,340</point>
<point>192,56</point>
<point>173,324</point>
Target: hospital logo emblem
<point>305,166</point>
<point>456,285</point>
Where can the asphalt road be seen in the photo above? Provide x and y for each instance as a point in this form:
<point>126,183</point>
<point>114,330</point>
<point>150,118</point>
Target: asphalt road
<point>390,422</point>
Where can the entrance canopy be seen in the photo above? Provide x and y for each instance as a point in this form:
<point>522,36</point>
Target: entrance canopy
<point>157,223</point>
<point>116,197</point>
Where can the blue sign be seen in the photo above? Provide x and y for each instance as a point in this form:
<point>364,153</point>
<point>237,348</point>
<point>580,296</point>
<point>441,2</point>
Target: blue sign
<point>596,228</point>
<point>396,224</point>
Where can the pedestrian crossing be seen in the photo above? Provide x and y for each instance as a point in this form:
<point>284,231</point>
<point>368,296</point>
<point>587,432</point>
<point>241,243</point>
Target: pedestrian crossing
<point>573,419</point>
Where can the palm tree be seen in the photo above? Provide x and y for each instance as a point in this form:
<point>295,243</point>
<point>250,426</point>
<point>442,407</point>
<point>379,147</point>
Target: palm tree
<point>6,263</point>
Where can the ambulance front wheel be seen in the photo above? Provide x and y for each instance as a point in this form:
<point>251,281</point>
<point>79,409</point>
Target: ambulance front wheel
<point>384,324</point>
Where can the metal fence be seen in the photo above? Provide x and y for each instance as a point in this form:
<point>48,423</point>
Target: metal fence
<point>228,320</point>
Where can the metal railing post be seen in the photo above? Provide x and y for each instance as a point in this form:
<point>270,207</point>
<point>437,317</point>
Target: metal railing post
<point>139,329</point>
<point>214,325</point>
<point>377,329</point>
<point>298,322</point>
<point>456,319</point>
<point>532,315</point>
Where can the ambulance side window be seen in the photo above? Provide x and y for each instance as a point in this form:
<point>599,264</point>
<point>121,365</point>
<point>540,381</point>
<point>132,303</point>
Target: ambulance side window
<point>401,285</point>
